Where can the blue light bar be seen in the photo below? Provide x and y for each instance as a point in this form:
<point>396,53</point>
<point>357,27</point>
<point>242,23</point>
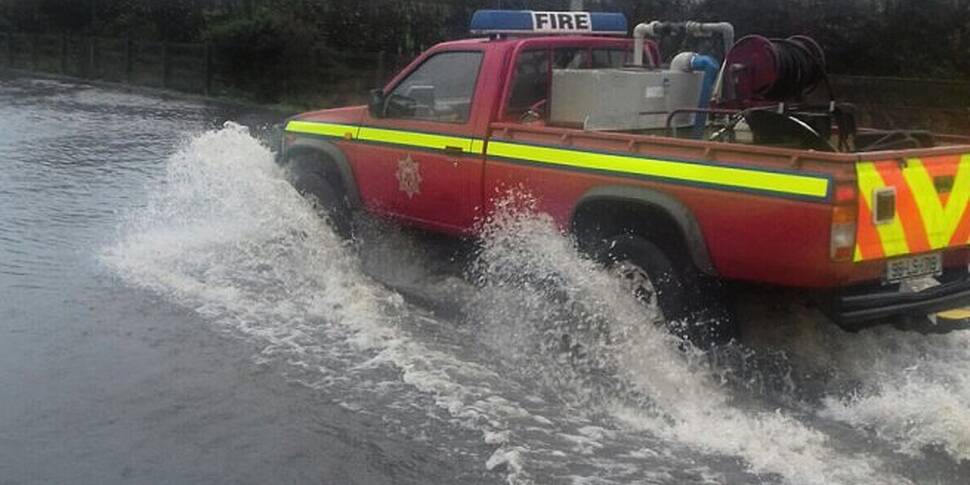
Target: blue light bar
<point>527,22</point>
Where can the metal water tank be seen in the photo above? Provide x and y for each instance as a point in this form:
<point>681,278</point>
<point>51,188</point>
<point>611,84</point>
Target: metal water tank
<point>622,99</point>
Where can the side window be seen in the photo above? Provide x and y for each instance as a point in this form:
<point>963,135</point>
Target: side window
<point>607,58</point>
<point>533,73</point>
<point>570,58</point>
<point>531,84</point>
<point>440,89</point>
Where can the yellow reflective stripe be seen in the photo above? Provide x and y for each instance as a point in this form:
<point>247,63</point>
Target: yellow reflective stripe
<point>892,235</point>
<point>802,185</point>
<point>325,129</point>
<point>782,183</point>
<point>478,147</point>
<point>415,139</point>
<point>940,222</point>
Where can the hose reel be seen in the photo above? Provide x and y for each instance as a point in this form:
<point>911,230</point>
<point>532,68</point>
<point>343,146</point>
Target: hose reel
<point>774,70</point>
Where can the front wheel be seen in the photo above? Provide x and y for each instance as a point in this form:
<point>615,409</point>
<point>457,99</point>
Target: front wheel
<point>690,307</point>
<point>309,176</point>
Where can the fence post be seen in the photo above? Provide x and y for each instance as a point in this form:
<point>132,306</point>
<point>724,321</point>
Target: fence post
<point>63,55</point>
<point>378,83</point>
<point>10,51</point>
<point>89,61</point>
<point>128,61</point>
<point>207,69</point>
<point>165,66</point>
<point>96,57</point>
<point>34,41</point>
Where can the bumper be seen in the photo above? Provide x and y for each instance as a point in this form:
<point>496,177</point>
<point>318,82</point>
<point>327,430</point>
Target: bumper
<point>868,309</point>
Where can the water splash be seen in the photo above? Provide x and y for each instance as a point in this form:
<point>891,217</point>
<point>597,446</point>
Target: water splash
<point>904,387</point>
<point>223,233</point>
<point>911,389</point>
<point>538,288</point>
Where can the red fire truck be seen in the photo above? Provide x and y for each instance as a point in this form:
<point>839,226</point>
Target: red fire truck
<point>674,172</point>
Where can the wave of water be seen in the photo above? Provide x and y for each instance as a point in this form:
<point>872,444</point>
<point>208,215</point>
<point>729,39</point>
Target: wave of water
<point>656,388</point>
<point>562,375</point>
<point>907,388</point>
<point>912,390</point>
<point>225,234</point>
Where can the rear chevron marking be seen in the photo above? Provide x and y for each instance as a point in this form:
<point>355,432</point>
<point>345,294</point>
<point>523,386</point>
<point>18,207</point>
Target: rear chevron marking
<point>940,221</point>
<point>926,220</point>
<point>891,235</point>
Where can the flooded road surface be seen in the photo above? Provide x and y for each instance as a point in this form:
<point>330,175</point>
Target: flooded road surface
<point>172,311</point>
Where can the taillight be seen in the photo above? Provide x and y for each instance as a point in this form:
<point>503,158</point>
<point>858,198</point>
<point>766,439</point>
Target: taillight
<point>842,245</point>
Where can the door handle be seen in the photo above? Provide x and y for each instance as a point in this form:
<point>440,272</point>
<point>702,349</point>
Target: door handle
<point>455,152</point>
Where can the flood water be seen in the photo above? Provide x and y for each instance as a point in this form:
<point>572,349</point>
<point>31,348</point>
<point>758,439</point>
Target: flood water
<point>171,311</point>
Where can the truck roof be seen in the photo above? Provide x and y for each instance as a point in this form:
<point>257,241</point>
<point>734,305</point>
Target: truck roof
<point>507,41</point>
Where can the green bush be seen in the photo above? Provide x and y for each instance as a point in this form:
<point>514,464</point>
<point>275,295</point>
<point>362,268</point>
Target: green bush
<point>254,50</point>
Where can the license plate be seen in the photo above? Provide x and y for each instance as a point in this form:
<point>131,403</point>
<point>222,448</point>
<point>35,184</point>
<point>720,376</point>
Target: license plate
<point>914,267</point>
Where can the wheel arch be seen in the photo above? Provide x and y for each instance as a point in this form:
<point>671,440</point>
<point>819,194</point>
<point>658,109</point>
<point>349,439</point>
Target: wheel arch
<point>588,219</point>
<point>334,160</point>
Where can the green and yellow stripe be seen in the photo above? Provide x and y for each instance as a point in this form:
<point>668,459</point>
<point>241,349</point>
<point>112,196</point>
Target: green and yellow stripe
<point>323,129</point>
<point>708,174</point>
<point>733,177</point>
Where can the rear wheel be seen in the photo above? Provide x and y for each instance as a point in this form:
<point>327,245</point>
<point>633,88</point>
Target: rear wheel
<point>690,306</point>
<point>310,176</point>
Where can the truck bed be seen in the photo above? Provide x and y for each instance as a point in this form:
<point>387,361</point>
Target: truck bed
<point>765,212</point>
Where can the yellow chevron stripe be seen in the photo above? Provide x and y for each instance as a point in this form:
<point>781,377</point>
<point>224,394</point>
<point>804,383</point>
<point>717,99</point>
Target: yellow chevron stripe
<point>892,235</point>
<point>940,222</point>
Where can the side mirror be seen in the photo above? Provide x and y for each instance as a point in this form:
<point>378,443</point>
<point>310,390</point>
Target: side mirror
<point>378,101</point>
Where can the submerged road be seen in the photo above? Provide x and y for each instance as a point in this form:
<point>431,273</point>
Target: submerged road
<point>171,311</point>
<point>101,382</point>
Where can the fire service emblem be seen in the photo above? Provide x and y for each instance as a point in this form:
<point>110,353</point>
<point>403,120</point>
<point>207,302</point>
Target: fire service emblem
<point>409,177</point>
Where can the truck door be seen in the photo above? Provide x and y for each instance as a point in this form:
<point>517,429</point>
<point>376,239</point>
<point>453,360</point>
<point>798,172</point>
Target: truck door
<point>422,158</point>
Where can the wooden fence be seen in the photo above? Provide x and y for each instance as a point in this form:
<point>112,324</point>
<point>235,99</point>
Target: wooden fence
<point>202,68</point>
<point>323,76</point>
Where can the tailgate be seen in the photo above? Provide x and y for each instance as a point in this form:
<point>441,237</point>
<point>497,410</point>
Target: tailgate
<point>912,205</point>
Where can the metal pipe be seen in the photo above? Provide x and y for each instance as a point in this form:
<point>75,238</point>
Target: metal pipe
<point>671,128</point>
<point>724,29</point>
<point>696,29</point>
<point>640,32</point>
<point>710,68</point>
<point>693,62</point>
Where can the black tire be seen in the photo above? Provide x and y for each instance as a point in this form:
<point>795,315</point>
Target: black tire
<point>309,176</point>
<point>693,307</point>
